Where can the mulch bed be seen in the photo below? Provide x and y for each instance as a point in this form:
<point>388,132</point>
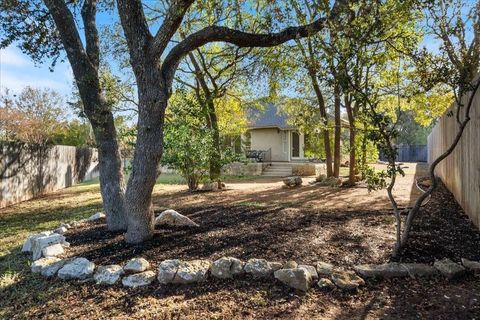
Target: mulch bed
<point>278,234</point>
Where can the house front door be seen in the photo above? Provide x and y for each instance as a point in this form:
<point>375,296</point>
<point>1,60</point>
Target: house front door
<point>295,145</point>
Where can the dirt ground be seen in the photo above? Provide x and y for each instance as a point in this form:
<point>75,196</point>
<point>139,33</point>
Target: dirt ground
<point>269,191</point>
<point>262,220</point>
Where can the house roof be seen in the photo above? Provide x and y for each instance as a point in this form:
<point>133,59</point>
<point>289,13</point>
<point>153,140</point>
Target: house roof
<point>269,117</point>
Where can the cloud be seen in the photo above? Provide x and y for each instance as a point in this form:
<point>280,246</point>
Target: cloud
<point>18,71</point>
<point>12,57</point>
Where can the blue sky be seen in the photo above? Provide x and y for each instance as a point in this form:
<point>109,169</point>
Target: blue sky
<point>17,71</point>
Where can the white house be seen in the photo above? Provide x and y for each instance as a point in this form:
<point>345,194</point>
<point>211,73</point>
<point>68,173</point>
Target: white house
<point>269,133</point>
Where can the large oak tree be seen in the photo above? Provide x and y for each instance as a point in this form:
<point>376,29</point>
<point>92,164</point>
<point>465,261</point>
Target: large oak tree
<point>45,30</point>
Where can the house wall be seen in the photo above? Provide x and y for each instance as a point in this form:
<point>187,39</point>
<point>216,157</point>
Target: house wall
<point>277,140</point>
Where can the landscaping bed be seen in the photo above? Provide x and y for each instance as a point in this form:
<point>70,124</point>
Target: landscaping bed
<point>275,233</point>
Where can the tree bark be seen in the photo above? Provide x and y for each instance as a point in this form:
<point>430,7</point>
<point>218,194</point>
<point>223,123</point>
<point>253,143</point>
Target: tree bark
<point>85,63</point>
<point>324,116</point>
<point>147,155</point>
<point>352,159</point>
<point>338,132</point>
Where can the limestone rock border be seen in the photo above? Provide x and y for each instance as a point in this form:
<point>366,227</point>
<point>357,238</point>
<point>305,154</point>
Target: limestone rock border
<point>301,277</point>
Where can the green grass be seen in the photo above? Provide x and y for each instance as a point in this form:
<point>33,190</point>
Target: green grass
<point>33,216</point>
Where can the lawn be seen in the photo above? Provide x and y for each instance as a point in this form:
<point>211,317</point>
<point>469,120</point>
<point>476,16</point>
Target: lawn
<point>254,218</point>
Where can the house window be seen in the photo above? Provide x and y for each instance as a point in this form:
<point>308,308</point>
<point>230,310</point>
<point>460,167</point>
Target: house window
<point>295,144</point>
<point>284,142</point>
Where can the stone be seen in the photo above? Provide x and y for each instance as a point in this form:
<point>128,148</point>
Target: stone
<point>258,267</point>
<point>48,266</point>
<point>109,274</point>
<point>298,278</point>
<point>386,270</point>
<point>192,271</point>
<point>27,245</point>
<point>325,284</point>
<point>471,265</point>
<point>276,265</point>
<point>310,269</point>
<point>449,268</point>
<point>39,243</point>
<point>53,250</point>
<point>416,270</point>
<point>290,265</point>
<point>136,265</point>
<point>66,225</point>
<point>173,218</point>
<point>167,270</point>
<point>61,230</point>
<point>347,280</point>
<point>324,268</point>
<point>293,181</point>
<point>78,268</point>
<point>96,216</point>
<point>139,279</point>
<point>177,271</point>
<point>210,186</point>
<point>226,267</point>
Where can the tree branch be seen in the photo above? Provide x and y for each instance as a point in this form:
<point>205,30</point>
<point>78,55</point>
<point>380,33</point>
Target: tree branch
<point>89,11</point>
<point>236,37</point>
<point>172,21</point>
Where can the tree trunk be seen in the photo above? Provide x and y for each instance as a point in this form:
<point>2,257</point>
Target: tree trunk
<point>212,122</point>
<point>153,100</point>
<point>215,154</point>
<point>323,114</point>
<point>352,161</point>
<point>110,163</point>
<point>111,174</point>
<point>338,131</point>
<point>364,149</point>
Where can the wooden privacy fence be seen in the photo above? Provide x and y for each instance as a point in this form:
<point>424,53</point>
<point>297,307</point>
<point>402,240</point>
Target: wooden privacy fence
<point>409,153</point>
<point>27,171</point>
<point>461,170</point>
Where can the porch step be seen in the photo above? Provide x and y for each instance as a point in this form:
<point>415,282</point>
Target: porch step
<point>277,170</point>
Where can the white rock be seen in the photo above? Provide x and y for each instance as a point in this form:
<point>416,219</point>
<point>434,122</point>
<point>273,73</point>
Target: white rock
<point>38,244</point>
<point>66,225</point>
<point>167,270</point>
<point>192,271</point>
<point>136,265</point>
<point>139,279</point>
<point>275,265</point>
<point>449,268</point>
<point>227,267</point>
<point>311,270</point>
<point>53,250</point>
<point>325,284</point>
<point>386,270</point>
<point>298,278</point>
<point>96,216</point>
<point>79,268</point>
<point>27,246</point>
<point>471,265</point>
<point>108,274</point>
<point>61,230</point>
<point>173,218</point>
<point>177,271</point>
<point>324,268</point>
<point>47,267</point>
<point>258,267</point>
<point>347,280</point>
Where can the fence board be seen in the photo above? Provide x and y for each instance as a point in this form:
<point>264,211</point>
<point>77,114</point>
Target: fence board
<point>461,170</point>
<point>27,171</point>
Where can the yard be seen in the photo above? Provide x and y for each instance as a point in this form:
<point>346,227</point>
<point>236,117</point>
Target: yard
<point>254,218</point>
